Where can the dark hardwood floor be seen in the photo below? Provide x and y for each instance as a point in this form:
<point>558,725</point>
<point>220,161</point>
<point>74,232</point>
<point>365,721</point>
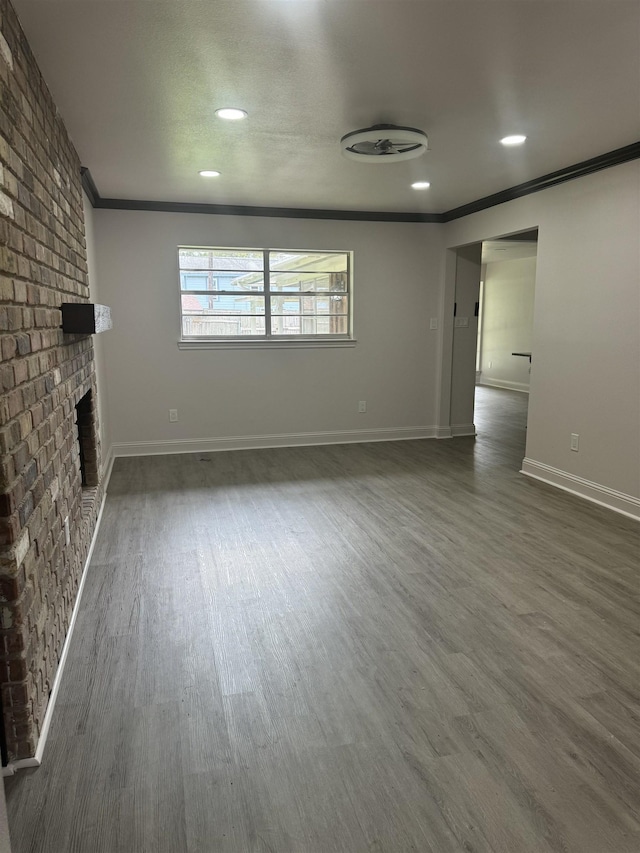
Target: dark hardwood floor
<point>384,647</point>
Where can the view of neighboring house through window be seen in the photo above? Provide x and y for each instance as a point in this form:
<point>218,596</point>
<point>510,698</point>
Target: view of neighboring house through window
<point>264,294</point>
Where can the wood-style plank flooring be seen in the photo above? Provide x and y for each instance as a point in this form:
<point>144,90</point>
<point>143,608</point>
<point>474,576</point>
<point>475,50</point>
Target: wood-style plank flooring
<point>385,647</point>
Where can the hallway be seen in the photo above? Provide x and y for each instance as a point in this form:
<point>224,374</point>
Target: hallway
<point>501,422</point>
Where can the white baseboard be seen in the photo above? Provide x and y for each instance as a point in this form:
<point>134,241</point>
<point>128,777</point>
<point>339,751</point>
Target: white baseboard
<point>504,383</point>
<point>594,492</point>
<point>36,760</point>
<point>254,442</point>
<point>463,429</point>
<point>443,432</point>
<point>20,764</point>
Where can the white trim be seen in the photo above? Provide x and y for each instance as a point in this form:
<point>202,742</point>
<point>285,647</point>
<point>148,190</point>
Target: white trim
<point>44,731</point>
<point>504,383</point>
<point>270,343</point>
<point>602,495</point>
<point>443,432</point>
<point>253,442</point>
<point>36,760</point>
<point>463,429</point>
<point>20,764</point>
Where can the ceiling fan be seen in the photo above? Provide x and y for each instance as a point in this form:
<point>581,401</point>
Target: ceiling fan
<point>384,143</point>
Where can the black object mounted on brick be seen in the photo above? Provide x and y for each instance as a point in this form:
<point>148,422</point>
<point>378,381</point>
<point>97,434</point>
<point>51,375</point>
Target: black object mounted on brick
<point>85,318</point>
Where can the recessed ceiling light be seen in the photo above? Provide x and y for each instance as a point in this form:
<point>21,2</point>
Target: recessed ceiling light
<point>209,173</point>
<point>231,113</point>
<point>518,139</point>
<point>420,185</point>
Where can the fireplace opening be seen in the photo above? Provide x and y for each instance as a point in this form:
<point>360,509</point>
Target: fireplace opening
<point>86,427</point>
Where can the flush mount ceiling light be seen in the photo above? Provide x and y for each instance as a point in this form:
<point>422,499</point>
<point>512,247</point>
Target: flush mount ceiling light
<point>517,139</point>
<point>384,143</point>
<point>231,113</point>
<point>209,173</point>
<point>420,185</point>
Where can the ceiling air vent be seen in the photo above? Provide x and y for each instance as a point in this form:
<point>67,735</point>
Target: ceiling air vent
<point>384,143</point>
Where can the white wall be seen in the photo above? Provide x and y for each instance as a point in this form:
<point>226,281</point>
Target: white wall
<point>226,393</point>
<point>98,340</point>
<point>507,322</point>
<point>585,376</point>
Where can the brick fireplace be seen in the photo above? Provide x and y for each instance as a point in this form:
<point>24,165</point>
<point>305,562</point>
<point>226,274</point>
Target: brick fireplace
<point>50,487</point>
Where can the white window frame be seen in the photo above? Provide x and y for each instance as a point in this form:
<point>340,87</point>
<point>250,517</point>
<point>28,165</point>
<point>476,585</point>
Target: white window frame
<point>268,340</point>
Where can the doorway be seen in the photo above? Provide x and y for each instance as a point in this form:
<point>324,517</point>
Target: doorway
<point>505,324</point>
<point>505,339</point>
<point>492,338</point>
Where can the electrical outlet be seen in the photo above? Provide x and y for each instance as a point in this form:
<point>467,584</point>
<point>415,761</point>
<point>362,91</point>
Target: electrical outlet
<point>362,406</point>
<point>67,532</point>
<point>490,364</point>
<point>173,415</point>
<point>575,441</point>
<point>433,323</point>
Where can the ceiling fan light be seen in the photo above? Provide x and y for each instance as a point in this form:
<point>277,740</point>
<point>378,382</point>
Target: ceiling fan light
<point>384,143</point>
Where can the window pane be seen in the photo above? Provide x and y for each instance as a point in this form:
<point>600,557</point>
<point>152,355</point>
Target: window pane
<point>309,261</point>
<point>309,325</point>
<point>240,281</point>
<point>222,304</point>
<point>303,281</point>
<point>210,325</point>
<point>220,259</point>
<point>286,325</point>
<point>307,303</point>
<point>198,281</point>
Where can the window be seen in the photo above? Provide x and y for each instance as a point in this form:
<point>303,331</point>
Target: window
<point>264,295</point>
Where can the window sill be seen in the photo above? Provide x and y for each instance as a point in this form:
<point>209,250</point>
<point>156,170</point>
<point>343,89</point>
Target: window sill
<point>307,343</point>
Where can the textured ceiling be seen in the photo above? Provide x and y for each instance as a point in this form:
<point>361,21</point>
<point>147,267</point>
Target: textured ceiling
<point>137,83</point>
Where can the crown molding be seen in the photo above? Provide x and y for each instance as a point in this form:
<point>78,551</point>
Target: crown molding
<point>88,185</point>
<point>248,210</point>
<point>569,173</point>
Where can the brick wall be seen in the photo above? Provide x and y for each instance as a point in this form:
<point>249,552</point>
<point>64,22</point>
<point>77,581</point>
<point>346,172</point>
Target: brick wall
<point>43,376</point>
